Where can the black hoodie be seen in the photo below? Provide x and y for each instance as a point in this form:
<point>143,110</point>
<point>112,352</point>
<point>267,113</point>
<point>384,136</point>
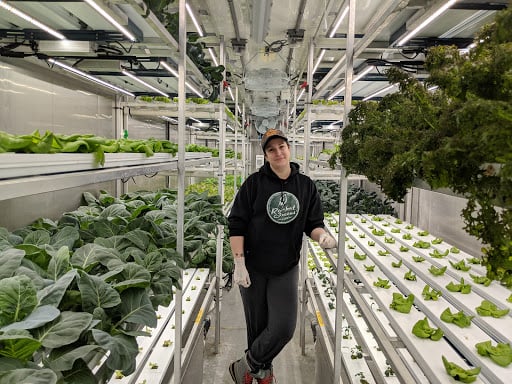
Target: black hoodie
<point>272,215</point>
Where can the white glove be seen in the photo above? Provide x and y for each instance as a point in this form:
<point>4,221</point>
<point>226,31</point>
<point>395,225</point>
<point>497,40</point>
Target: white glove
<point>326,241</point>
<point>241,275</point>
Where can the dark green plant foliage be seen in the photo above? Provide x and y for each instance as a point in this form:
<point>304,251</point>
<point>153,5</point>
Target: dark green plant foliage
<point>458,137</point>
<point>89,282</point>
<point>358,200</point>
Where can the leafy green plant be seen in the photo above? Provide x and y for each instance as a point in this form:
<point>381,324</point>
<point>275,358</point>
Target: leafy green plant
<point>459,373</point>
<point>423,330</point>
<point>462,287</point>
<point>401,303</point>
<point>484,280</point>
<point>430,294</point>
<point>487,308</point>
<point>57,143</point>
<point>500,353</point>
<point>460,318</point>
<point>460,266</point>
<point>437,271</point>
<point>91,283</point>
<point>438,255</point>
<point>382,283</point>
<point>409,275</point>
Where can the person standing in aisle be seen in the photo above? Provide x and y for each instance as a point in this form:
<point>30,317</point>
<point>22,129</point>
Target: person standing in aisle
<point>272,210</point>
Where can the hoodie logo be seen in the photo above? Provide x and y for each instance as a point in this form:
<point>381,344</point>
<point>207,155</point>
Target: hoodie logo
<point>283,207</point>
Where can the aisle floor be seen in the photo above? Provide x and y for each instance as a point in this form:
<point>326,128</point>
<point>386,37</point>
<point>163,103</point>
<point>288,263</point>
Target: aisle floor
<point>290,367</point>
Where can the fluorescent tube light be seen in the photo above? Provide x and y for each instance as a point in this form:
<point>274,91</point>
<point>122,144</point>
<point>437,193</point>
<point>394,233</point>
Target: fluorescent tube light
<point>260,19</point>
<point>132,76</point>
<point>175,74</point>
<point>30,19</point>
<point>89,77</point>
<point>196,120</point>
<point>111,20</point>
<point>231,94</point>
<point>357,78</point>
<point>320,57</point>
<point>426,22</point>
<point>300,94</point>
<point>212,54</point>
<point>379,92</point>
<point>194,20</point>
<point>338,22</point>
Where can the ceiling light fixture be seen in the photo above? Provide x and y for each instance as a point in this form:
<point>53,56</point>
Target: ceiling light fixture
<point>31,20</point>
<point>260,19</point>
<point>338,22</point>
<point>212,54</point>
<point>194,20</point>
<point>379,92</point>
<point>132,76</point>
<point>111,20</point>
<point>300,94</point>
<point>320,57</point>
<point>89,77</point>
<point>357,78</point>
<point>175,74</point>
<point>426,22</point>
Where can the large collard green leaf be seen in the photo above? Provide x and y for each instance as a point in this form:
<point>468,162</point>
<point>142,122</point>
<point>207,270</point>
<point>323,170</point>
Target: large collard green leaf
<point>18,344</point>
<point>8,239</point>
<point>115,211</point>
<point>97,293</point>
<point>59,263</point>
<point>36,254</point>
<point>33,273</point>
<point>118,242</point>
<point>105,228</point>
<point>133,276</point>
<point>66,357</point>
<point>86,257</point>
<point>140,238</point>
<point>39,238</point>
<point>10,260</point>
<point>39,317</point>
<point>18,298</point>
<point>53,294</point>
<point>89,198</point>
<point>80,374</point>
<point>152,261</point>
<point>66,236</point>
<point>136,308</point>
<point>123,350</point>
<point>66,329</point>
<point>28,375</point>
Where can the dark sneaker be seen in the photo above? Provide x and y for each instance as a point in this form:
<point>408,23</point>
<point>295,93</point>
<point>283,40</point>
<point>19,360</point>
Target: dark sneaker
<point>239,371</point>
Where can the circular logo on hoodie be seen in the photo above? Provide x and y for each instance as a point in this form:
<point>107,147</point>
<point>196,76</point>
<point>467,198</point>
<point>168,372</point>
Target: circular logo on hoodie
<point>283,207</point>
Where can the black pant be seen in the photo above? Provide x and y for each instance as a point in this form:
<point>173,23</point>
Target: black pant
<point>270,306</point>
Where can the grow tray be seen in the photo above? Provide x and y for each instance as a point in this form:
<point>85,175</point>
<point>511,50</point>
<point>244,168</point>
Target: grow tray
<point>14,165</point>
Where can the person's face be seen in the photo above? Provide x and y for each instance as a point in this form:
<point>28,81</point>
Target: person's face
<point>277,152</point>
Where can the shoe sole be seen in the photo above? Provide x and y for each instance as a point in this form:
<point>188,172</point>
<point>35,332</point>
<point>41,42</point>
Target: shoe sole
<point>231,371</point>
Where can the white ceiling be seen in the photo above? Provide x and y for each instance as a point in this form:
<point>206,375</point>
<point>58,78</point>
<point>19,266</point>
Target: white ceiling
<point>97,48</point>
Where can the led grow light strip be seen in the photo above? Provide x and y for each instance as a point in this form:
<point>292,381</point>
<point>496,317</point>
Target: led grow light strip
<point>175,74</point>
<point>194,20</point>
<point>30,19</point>
<point>89,77</point>
<point>426,22</point>
<point>379,92</point>
<point>357,78</point>
<point>132,76</point>
<point>111,20</point>
<point>331,34</point>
